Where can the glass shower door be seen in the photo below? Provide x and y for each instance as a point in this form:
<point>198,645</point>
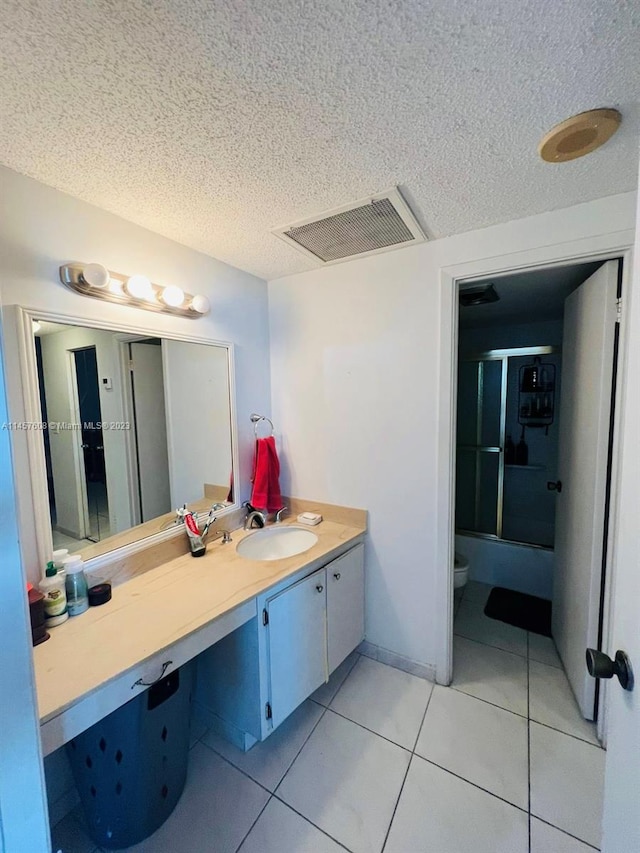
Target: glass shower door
<point>480,442</point>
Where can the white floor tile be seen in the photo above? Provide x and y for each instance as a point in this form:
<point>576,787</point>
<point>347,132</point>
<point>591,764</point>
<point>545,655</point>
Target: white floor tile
<point>280,829</point>
<point>439,813</point>
<point>386,700</point>
<point>491,674</point>
<point>346,781</point>
<point>268,761</point>
<point>476,591</point>
<point>217,809</point>
<point>325,694</point>
<point>543,649</point>
<point>69,837</point>
<point>567,777</point>
<point>484,744</point>
<point>471,622</point>
<point>548,839</point>
<point>551,702</point>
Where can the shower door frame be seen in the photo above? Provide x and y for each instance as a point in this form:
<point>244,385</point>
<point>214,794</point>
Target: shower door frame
<point>502,355</point>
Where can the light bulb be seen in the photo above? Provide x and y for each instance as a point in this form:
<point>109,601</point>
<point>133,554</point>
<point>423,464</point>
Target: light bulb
<point>200,304</point>
<point>95,275</point>
<point>173,296</point>
<point>140,287</point>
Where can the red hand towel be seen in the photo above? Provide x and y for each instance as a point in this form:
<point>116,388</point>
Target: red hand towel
<point>266,473</point>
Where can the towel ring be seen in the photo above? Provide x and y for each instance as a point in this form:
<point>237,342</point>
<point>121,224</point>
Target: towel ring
<point>255,420</point>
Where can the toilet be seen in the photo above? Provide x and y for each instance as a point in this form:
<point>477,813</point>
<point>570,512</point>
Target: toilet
<point>460,571</point>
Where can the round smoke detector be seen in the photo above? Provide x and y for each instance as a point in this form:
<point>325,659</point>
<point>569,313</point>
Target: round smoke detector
<point>579,135</point>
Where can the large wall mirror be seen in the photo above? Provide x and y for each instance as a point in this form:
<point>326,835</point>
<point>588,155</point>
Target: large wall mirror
<point>133,426</point>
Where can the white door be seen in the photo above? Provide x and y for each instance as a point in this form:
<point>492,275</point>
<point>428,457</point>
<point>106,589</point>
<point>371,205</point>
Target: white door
<point>585,406</point>
<point>297,644</point>
<point>345,605</point>
<point>621,825</point>
<point>151,429</point>
<point>67,460</point>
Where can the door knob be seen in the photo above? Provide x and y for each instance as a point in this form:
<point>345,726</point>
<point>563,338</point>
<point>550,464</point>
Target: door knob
<point>337,575</point>
<point>319,587</point>
<point>601,666</point>
<point>554,487</point>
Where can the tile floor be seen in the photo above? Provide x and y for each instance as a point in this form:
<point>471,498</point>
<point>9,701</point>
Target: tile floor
<point>379,760</point>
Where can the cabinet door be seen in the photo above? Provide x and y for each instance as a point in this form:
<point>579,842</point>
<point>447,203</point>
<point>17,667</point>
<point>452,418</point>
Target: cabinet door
<point>297,644</point>
<point>345,605</point>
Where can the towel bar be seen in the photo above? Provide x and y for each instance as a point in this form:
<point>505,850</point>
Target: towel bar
<point>255,420</point>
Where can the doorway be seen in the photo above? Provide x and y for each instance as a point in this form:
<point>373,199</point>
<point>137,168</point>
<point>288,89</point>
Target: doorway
<point>512,450</point>
<point>89,418</point>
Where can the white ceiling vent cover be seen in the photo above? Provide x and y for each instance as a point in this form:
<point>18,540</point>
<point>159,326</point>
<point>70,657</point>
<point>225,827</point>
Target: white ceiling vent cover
<point>372,225</point>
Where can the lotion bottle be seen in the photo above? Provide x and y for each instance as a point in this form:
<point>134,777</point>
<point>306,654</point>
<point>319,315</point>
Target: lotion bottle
<point>55,597</point>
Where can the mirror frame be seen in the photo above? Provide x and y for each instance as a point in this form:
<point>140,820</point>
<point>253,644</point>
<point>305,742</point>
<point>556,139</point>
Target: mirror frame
<point>35,446</point>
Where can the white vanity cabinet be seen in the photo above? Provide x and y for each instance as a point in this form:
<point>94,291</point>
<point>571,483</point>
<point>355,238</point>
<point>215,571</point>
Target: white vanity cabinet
<point>296,644</point>
<point>345,605</point>
<point>251,681</point>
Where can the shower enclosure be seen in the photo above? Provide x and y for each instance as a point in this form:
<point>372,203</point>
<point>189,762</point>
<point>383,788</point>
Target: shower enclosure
<point>507,441</point>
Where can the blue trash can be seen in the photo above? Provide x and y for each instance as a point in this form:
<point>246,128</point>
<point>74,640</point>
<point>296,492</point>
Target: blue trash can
<point>130,768</point>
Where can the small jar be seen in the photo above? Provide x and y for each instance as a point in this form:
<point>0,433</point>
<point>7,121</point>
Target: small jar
<point>76,585</point>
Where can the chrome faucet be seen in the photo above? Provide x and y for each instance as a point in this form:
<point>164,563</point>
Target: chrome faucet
<point>280,512</point>
<point>254,515</point>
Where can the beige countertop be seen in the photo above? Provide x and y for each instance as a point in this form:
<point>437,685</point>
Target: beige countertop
<point>154,610</point>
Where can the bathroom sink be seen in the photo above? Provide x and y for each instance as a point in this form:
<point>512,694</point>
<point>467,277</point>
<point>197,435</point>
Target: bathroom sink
<point>276,543</point>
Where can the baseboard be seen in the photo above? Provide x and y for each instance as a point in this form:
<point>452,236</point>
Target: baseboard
<point>422,670</point>
<point>232,734</point>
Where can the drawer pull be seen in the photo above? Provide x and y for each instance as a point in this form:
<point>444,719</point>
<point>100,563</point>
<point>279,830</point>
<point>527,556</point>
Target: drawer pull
<point>319,587</point>
<point>336,575</point>
<point>141,683</point>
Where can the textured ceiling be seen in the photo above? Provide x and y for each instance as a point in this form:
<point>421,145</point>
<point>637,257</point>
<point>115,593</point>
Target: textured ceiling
<point>213,122</point>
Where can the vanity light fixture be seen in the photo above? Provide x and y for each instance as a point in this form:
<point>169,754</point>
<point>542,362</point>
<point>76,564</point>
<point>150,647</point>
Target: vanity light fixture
<point>173,296</point>
<point>135,290</point>
<point>140,287</point>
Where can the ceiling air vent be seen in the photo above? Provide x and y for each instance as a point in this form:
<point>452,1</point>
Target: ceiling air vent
<point>470,296</point>
<point>372,225</point>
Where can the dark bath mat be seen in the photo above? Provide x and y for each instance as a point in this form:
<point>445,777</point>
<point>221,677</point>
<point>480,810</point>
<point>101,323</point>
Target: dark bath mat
<point>517,608</point>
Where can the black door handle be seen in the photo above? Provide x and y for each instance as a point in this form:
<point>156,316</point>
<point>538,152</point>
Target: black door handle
<point>601,666</point>
<point>555,486</point>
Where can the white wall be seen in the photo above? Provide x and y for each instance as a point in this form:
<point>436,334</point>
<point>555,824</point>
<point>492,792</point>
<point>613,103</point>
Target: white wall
<point>483,338</point>
<point>41,228</point>
<point>355,358</point>
<point>23,823</point>
<point>198,430</point>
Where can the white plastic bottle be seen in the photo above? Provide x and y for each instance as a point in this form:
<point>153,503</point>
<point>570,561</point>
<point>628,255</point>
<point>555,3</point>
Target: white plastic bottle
<point>52,586</point>
<point>59,557</point>
<point>76,585</point>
